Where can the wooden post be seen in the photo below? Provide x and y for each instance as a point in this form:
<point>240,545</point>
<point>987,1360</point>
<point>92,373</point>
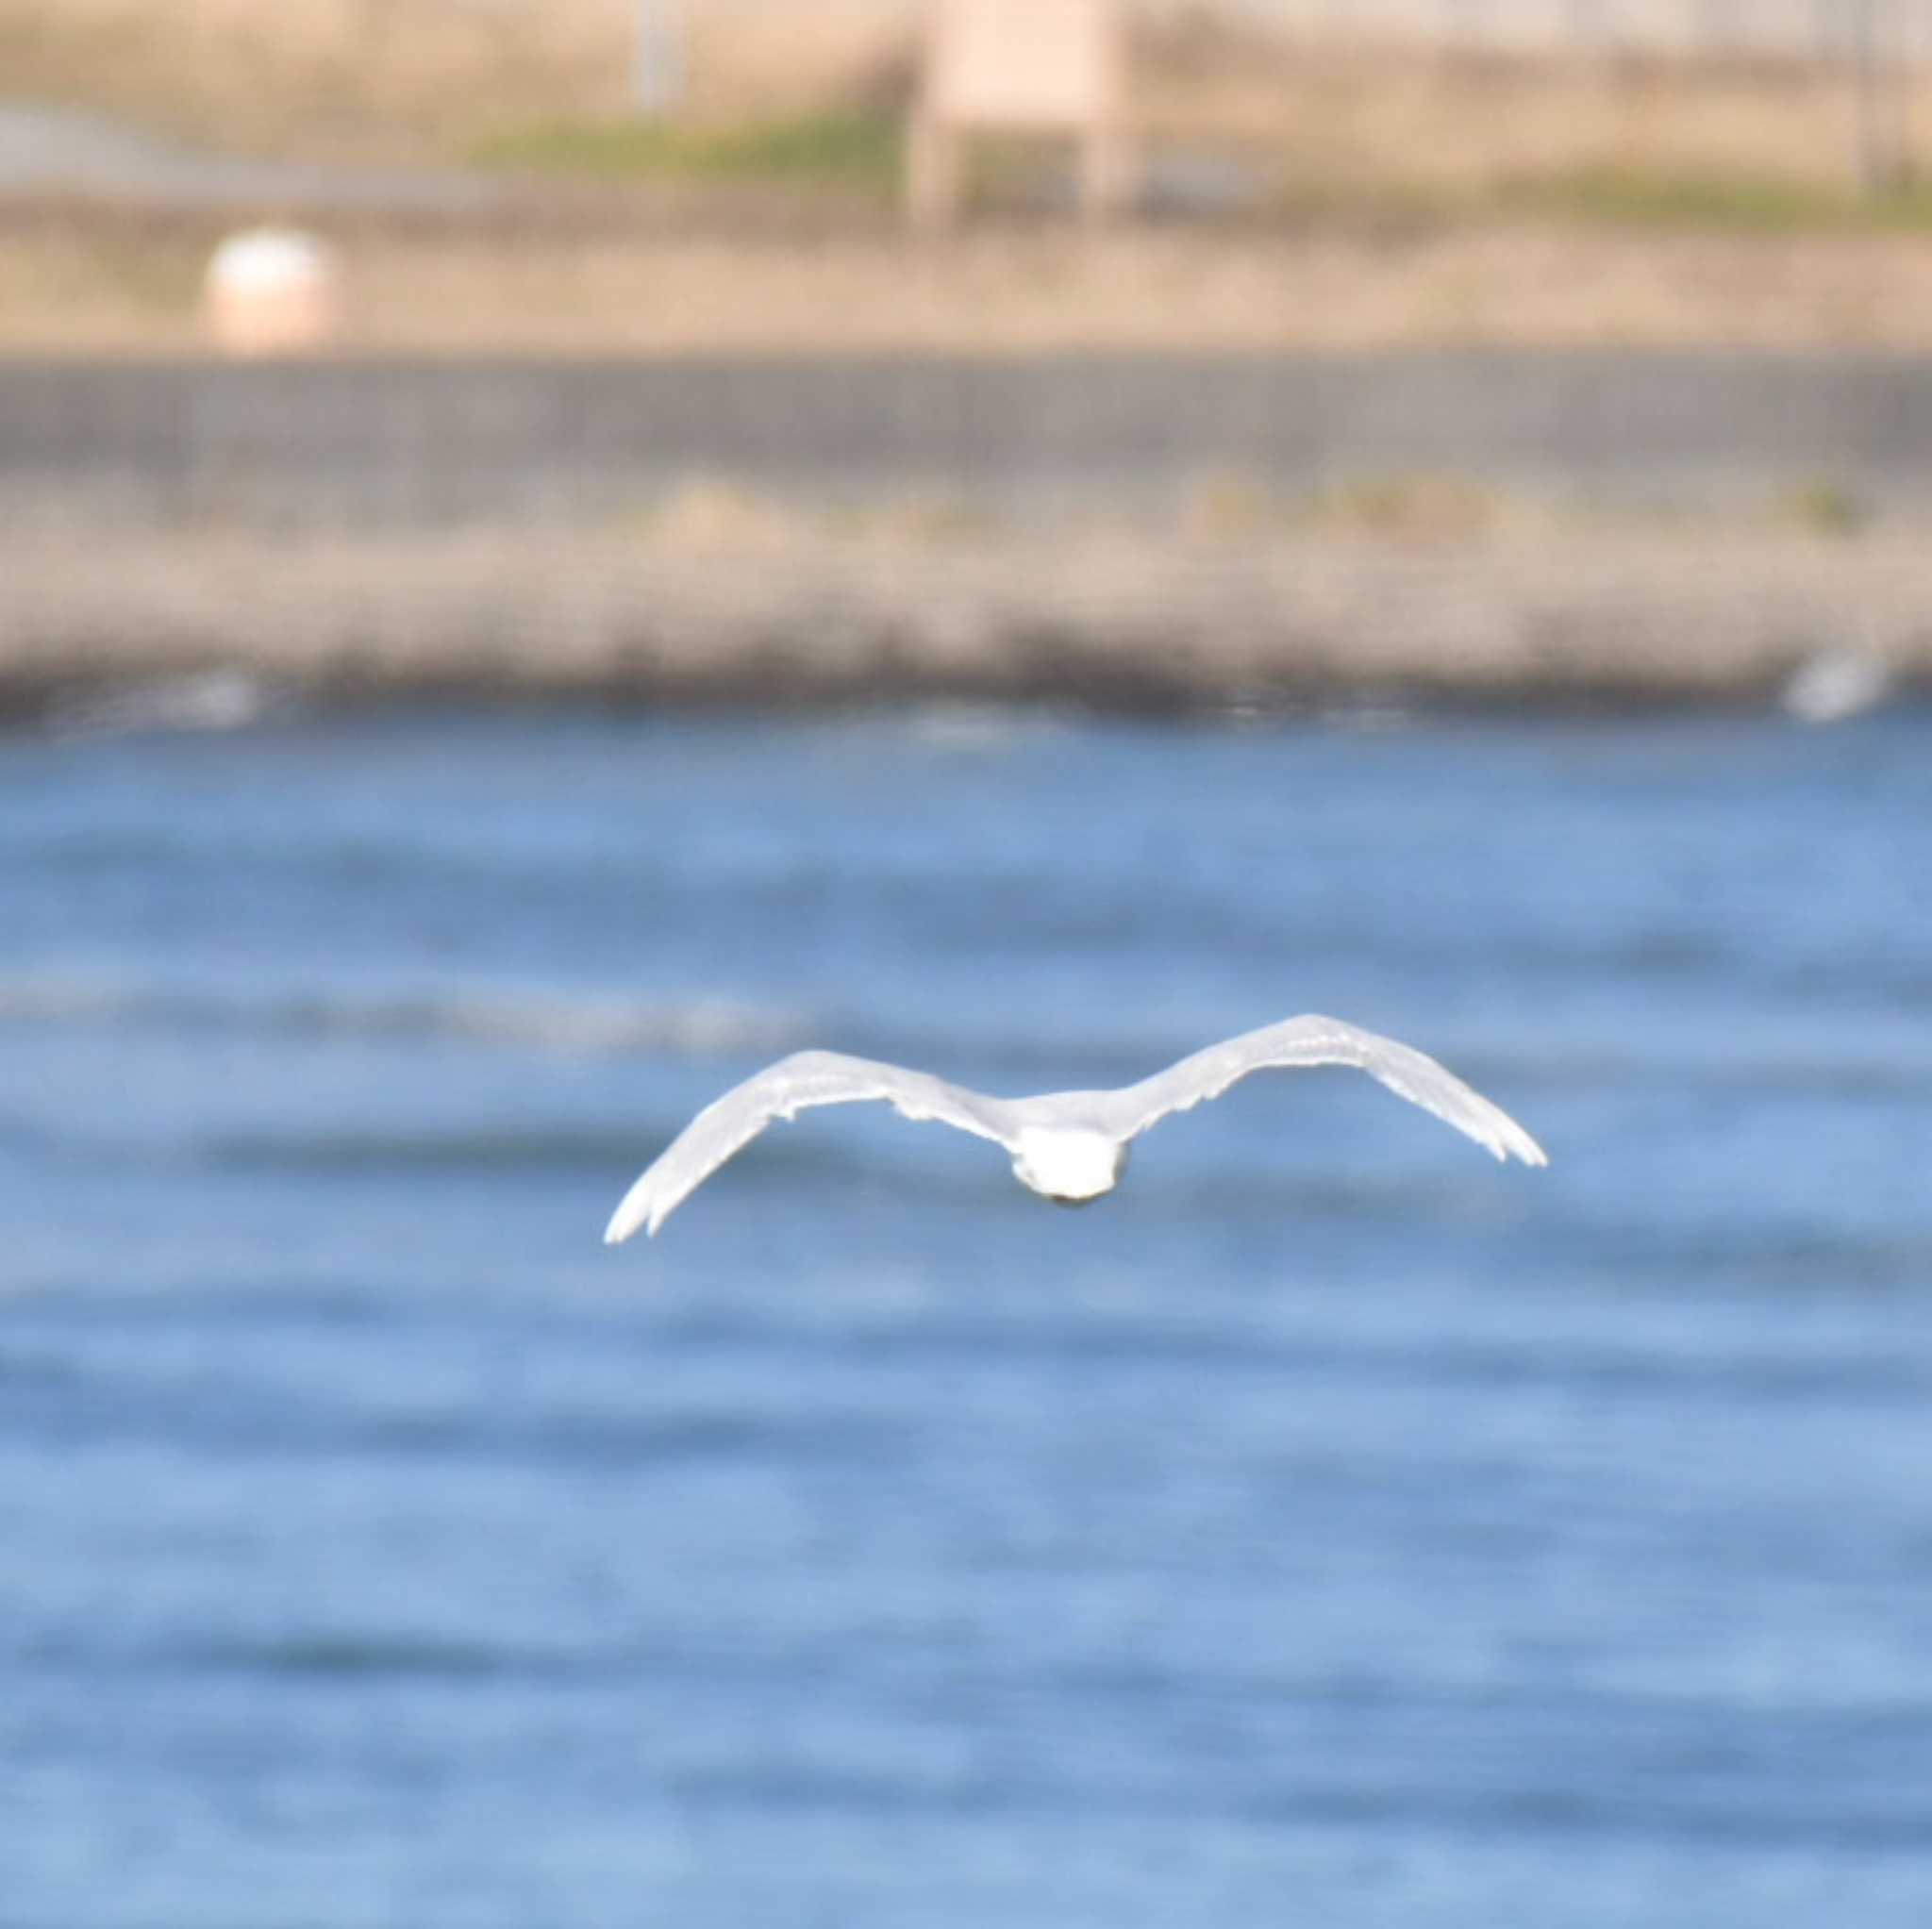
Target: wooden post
<point>1107,172</point>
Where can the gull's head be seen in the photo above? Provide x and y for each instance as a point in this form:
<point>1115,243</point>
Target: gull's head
<point>1068,1167</point>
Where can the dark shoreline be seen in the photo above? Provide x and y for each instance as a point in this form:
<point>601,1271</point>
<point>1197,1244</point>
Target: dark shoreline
<point>1112,619</point>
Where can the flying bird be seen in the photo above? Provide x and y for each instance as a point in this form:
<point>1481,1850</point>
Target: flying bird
<point>1068,1146</point>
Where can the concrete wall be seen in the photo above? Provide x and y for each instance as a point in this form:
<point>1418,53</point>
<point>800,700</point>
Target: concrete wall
<point>415,445</point>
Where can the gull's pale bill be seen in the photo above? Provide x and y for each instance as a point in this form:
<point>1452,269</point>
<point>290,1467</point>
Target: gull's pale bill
<point>1067,1146</point>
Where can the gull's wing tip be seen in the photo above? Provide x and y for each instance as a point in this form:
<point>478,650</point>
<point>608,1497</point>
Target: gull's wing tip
<point>631,1213</point>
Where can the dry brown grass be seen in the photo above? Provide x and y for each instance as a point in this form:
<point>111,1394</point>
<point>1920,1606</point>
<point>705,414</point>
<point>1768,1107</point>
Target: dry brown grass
<point>420,78</point>
<point>1344,115</point>
<point>1016,290</point>
<point>332,77</point>
<point>81,287</point>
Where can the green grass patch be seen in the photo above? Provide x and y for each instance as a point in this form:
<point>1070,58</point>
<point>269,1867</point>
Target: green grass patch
<point>849,151</point>
<point>1744,204</point>
<point>1415,505</point>
<point>1823,506</point>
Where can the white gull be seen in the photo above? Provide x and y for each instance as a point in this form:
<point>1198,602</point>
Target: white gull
<point>1068,1146</point>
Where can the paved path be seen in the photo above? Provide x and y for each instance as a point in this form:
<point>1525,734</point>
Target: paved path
<point>46,150</point>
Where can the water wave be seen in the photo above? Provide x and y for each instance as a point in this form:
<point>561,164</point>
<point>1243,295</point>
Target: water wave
<point>223,698</point>
<point>400,1149</point>
<point>60,1000</point>
<point>589,1023</point>
<point>345,1656</point>
<point>349,1655</point>
<point>1006,1051</point>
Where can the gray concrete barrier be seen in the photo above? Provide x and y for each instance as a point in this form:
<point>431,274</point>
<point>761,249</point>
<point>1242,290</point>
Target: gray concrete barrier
<point>367,445</point>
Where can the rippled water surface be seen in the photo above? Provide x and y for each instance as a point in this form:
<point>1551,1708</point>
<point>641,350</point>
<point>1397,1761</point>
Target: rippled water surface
<point>1331,1527</point>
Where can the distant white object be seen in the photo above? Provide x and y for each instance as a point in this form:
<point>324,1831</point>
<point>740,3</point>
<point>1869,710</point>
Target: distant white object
<point>1837,684</point>
<point>271,290</point>
<point>1038,66</point>
<point>1068,1146</point>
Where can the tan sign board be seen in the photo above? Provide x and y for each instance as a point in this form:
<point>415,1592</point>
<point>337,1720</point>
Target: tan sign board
<point>1024,64</point>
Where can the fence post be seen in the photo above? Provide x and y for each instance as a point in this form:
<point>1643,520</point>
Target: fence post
<point>1879,83</point>
<point>656,57</point>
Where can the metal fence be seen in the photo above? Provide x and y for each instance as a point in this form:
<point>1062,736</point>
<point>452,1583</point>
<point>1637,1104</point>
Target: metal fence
<point>1794,29</point>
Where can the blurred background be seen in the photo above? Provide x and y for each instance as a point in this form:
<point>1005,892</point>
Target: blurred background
<point>550,555</point>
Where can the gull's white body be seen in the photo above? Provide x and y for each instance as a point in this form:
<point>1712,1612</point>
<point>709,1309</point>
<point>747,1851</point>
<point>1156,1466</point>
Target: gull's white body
<point>1068,1167</point>
<point>1068,1146</point>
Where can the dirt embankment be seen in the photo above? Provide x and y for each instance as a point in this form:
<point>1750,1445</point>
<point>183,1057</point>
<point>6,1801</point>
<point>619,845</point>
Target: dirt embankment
<point>1119,618</point>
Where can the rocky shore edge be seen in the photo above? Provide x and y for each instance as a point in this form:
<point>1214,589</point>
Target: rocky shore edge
<point>1114,621</point>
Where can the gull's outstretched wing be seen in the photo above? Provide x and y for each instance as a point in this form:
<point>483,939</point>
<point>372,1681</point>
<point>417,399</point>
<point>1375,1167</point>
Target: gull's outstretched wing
<point>806,1078</point>
<point>1314,1040</point>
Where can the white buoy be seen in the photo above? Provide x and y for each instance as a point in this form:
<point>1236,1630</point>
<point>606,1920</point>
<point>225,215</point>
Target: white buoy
<point>271,290</point>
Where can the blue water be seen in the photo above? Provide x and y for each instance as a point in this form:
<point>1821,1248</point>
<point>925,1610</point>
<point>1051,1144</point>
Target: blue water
<point>1331,1527</point>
